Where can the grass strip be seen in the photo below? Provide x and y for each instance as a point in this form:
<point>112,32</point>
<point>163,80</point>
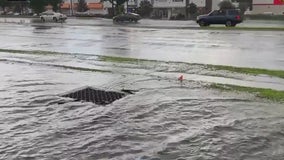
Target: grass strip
<point>269,94</point>
<point>82,69</point>
<point>119,59</point>
<point>244,70</point>
<point>244,28</point>
<point>35,52</point>
<point>253,71</point>
<point>127,60</point>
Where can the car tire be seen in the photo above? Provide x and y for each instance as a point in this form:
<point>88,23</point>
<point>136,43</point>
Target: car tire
<point>229,24</point>
<point>55,19</point>
<point>202,24</point>
<point>133,20</point>
<point>116,21</point>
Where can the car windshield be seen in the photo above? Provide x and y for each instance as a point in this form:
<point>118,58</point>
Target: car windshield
<point>141,80</point>
<point>213,13</point>
<point>134,14</point>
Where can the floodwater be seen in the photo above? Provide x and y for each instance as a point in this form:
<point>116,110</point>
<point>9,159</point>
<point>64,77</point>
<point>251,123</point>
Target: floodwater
<point>157,42</point>
<point>162,120</point>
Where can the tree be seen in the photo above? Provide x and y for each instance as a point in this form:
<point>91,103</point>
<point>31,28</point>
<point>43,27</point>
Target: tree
<point>55,4</point>
<point>145,8</point>
<point>4,4</point>
<point>226,4</point>
<point>38,6</point>
<point>17,7</point>
<point>119,8</point>
<point>192,9</point>
<point>116,6</point>
<point>244,5</point>
<point>82,6</point>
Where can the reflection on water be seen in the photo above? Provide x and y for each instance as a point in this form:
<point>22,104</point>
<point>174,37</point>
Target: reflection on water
<point>42,27</point>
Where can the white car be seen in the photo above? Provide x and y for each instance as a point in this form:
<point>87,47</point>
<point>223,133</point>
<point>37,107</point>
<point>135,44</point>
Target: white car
<point>52,16</point>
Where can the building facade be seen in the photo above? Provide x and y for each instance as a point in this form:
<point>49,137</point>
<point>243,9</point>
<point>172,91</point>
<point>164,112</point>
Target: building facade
<point>69,7</point>
<point>166,9</point>
<point>273,7</point>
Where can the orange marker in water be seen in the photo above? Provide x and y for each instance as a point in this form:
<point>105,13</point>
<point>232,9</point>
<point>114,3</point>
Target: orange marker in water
<point>180,78</point>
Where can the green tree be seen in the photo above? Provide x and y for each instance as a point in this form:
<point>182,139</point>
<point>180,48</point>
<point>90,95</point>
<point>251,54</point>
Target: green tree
<point>145,8</point>
<point>4,4</point>
<point>17,7</point>
<point>226,4</point>
<point>82,6</point>
<point>192,9</point>
<point>119,8</point>
<point>55,4</point>
<point>38,6</point>
<point>116,6</point>
<point>244,5</point>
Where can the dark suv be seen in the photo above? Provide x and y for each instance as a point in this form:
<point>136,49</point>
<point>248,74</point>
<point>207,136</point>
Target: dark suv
<point>229,17</point>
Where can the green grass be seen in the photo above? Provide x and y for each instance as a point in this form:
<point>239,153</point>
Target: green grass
<point>244,28</point>
<point>269,94</point>
<point>265,17</point>
<point>252,71</point>
<point>243,70</point>
<point>83,69</point>
<point>29,52</point>
<point>118,59</point>
<point>125,59</point>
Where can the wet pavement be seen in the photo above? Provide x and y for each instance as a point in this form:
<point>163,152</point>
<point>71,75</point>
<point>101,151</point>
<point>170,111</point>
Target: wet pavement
<point>236,48</point>
<point>163,119</point>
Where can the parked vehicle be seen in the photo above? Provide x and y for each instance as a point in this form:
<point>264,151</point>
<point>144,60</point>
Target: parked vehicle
<point>84,14</point>
<point>129,17</point>
<point>229,17</point>
<point>52,16</point>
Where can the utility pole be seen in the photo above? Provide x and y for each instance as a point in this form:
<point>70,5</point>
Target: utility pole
<point>126,6</point>
<point>71,7</point>
<point>187,2</point>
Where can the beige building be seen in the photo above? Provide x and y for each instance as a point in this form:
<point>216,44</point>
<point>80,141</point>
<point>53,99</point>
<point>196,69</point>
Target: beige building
<point>273,7</point>
<point>69,7</point>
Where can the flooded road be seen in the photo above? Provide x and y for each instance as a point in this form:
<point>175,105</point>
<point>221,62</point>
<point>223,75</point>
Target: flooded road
<point>163,120</point>
<point>101,37</point>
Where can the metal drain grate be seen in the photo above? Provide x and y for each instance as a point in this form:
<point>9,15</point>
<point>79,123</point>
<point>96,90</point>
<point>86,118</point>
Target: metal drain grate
<point>96,96</point>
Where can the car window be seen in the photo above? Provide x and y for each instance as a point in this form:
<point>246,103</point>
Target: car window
<point>221,13</point>
<point>214,13</point>
<point>233,12</point>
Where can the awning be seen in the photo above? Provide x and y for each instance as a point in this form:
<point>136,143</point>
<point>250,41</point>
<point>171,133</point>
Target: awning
<point>65,6</point>
<point>95,6</point>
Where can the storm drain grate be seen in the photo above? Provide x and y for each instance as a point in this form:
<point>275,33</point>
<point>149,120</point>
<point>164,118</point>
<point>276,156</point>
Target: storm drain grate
<point>100,97</point>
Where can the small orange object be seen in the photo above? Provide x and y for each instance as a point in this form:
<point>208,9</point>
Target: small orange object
<point>180,78</point>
